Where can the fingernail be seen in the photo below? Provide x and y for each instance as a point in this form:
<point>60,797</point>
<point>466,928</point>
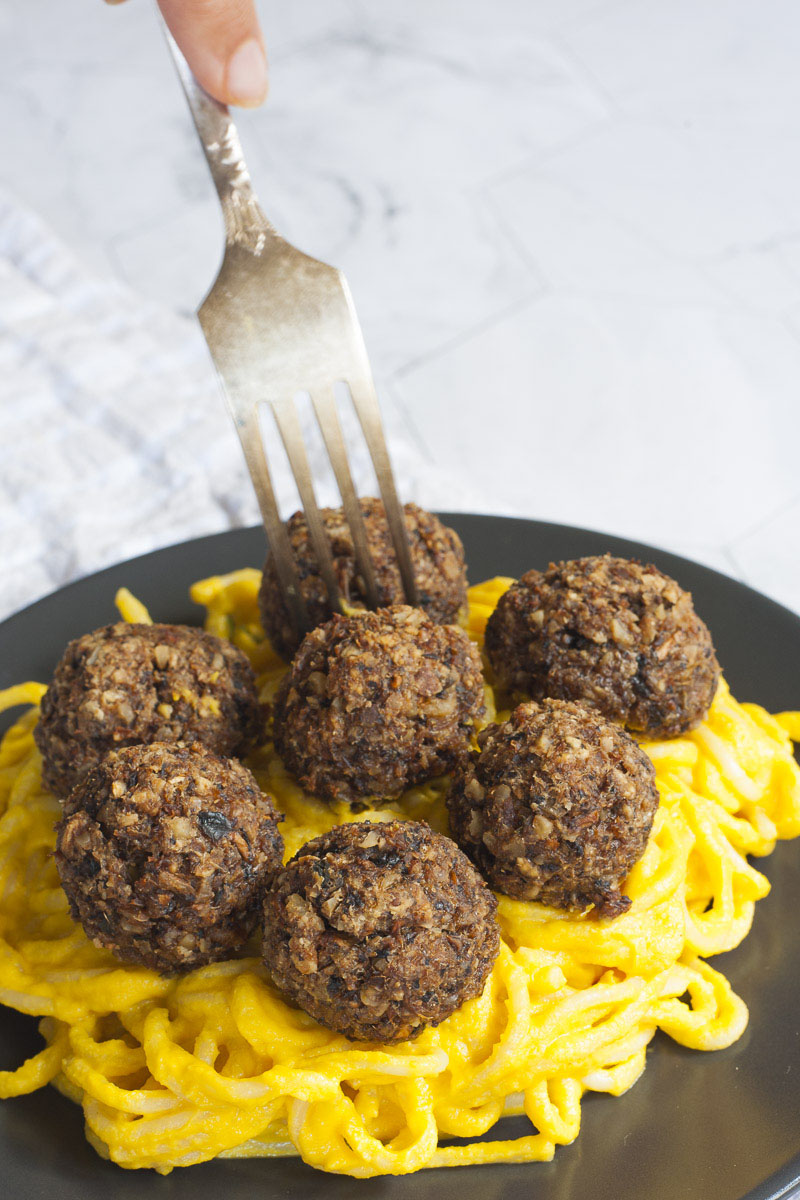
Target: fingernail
<point>247,74</point>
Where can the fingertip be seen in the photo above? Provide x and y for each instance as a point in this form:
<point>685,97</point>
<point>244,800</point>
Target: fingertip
<point>246,80</point>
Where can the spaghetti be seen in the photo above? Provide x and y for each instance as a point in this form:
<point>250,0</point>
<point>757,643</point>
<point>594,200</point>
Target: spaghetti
<point>177,1070</point>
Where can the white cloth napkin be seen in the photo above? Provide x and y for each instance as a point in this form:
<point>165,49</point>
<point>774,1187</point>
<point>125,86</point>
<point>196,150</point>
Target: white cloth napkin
<point>114,437</point>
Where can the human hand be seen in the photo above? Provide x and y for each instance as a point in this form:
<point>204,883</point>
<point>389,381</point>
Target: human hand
<point>222,43</point>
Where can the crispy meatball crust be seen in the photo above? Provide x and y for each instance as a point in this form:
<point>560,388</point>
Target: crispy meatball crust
<point>377,702</point>
<point>379,930</point>
<point>124,685</point>
<point>618,636</point>
<point>436,553</point>
<point>164,852</point>
<point>557,806</point>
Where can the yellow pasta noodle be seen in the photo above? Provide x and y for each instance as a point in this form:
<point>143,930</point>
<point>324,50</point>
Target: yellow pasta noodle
<point>174,1071</point>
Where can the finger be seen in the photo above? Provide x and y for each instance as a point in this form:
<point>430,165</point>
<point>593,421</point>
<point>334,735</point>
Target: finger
<point>222,42</point>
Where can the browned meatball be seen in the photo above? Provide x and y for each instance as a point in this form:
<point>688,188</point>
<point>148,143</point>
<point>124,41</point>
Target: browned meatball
<point>164,852</point>
<point>611,633</point>
<point>436,553</point>
<point>379,930</point>
<point>557,807</point>
<point>377,702</point>
<point>129,684</point>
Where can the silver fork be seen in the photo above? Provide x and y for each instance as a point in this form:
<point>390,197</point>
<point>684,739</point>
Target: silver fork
<point>279,323</point>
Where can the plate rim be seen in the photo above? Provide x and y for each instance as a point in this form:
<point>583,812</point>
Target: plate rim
<point>444,515</point>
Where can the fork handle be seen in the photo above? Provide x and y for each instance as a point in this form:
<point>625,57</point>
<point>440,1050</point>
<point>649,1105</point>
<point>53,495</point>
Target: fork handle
<point>245,223</point>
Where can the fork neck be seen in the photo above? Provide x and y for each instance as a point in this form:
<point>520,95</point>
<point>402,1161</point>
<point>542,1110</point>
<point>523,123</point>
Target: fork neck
<point>245,223</point>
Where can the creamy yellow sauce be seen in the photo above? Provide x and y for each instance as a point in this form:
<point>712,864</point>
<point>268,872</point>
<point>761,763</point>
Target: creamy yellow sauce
<point>174,1071</point>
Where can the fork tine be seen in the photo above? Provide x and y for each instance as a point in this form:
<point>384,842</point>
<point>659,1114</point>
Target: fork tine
<point>365,403</point>
<point>288,424</point>
<point>328,420</point>
<point>245,418</point>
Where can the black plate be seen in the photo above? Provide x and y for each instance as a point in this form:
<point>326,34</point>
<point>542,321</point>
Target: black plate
<point>720,1126</point>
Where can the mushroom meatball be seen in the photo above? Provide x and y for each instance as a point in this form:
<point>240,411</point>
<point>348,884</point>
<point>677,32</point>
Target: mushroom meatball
<point>379,930</point>
<point>557,806</point>
<point>377,702</point>
<point>164,852</point>
<point>124,685</point>
<point>618,636</point>
<point>436,554</point>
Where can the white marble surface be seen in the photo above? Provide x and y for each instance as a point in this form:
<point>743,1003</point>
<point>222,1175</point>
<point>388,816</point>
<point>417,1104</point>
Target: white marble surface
<point>572,228</point>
